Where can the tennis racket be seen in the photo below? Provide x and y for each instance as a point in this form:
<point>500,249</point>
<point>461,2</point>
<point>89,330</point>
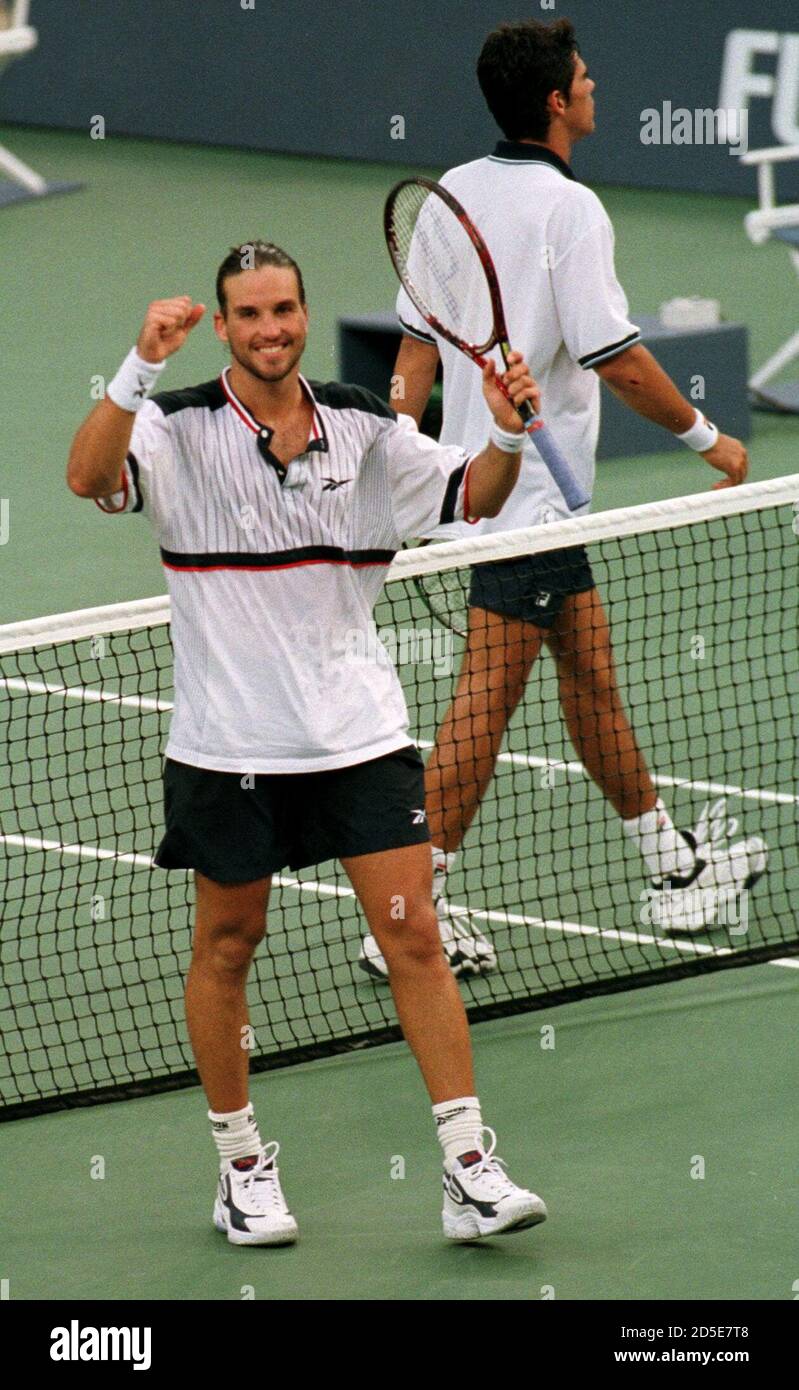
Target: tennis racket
<point>447,270</point>
<point>446,596</point>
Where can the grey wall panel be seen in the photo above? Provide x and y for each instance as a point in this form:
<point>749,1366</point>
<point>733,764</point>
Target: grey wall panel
<point>327,77</point>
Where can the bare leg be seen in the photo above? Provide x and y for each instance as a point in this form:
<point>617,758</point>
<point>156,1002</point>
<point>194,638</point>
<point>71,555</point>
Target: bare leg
<point>592,706</point>
<point>395,890</point>
<point>230,922</point>
<point>499,656</point>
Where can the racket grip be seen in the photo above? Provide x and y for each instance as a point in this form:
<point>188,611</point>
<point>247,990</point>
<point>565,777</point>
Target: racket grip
<point>545,443</point>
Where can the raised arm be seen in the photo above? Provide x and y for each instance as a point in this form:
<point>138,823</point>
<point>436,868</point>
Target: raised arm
<point>97,456</point>
<point>413,377</point>
<point>637,378</point>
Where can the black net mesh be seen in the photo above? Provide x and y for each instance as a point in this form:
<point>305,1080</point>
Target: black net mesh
<point>95,942</point>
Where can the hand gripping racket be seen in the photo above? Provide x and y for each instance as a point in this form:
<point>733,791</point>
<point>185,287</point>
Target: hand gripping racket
<point>447,270</point>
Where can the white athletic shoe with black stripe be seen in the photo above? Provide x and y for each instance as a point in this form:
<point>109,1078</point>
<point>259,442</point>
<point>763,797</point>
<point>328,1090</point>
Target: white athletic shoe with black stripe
<point>250,1207</point>
<point>710,895</point>
<point>468,952</point>
<point>480,1199</point>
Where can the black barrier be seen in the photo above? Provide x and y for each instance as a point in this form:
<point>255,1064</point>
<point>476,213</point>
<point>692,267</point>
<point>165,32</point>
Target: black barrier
<point>354,79</point>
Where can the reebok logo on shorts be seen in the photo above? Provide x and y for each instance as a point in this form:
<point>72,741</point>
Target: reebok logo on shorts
<point>418,817</point>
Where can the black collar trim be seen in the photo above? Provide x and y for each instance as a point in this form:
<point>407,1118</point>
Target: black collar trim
<point>519,152</point>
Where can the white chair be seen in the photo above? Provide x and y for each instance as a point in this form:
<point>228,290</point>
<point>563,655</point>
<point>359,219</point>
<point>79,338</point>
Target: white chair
<point>780,223</point>
<point>16,38</point>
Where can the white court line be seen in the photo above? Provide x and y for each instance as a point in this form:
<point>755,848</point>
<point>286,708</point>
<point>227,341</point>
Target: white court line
<point>142,861</point>
<point>574,769</point>
<point>660,779</point>
<point>21,685</point>
<point>332,890</point>
<point>548,924</point>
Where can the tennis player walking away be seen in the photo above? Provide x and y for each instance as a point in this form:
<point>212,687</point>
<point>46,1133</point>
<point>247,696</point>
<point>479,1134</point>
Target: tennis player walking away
<point>278,504</point>
<point>552,244</point>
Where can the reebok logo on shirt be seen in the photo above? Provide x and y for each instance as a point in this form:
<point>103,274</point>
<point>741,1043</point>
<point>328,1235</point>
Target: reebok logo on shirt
<point>330,484</point>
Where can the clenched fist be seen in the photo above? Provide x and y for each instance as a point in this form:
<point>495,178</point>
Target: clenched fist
<point>167,325</point>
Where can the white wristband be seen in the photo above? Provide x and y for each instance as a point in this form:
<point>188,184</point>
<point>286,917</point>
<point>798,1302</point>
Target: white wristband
<point>506,440</point>
<point>134,381</point>
<point>701,436</point>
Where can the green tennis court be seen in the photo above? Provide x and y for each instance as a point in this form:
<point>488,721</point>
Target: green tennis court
<point>613,1109</point>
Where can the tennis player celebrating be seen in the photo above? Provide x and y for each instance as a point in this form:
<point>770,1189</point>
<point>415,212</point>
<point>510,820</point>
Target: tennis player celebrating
<point>552,244</point>
<point>278,504</point>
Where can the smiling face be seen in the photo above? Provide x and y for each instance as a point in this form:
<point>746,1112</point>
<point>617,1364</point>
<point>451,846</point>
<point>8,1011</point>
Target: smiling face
<point>265,325</point>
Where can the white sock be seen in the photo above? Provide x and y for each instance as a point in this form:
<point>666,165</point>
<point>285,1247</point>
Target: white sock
<point>442,863</point>
<point>663,848</point>
<point>235,1134</point>
<point>459,1126</point>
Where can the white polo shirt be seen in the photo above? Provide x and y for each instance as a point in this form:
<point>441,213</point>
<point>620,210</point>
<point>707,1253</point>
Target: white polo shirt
<point>273,573</point>
<point>553,247</point>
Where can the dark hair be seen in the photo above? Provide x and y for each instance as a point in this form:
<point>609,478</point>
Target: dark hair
<point>520,64</point>
<point>251,255</point>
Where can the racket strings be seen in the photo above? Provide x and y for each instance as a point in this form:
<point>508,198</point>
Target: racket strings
<point>446,594</point>
<point>440,266</point>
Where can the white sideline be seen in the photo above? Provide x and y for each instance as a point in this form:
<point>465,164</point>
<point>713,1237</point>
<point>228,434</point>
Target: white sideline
<point>23,685</point>
<point>660,779</point>
<point>320,889</point>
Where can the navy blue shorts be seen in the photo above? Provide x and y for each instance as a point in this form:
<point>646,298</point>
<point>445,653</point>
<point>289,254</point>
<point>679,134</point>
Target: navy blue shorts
<point>236,834</point>
<point>531,587</point>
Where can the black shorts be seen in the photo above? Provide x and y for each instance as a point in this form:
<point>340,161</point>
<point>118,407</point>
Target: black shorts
<point>531,587</point>
<point>235,834</point>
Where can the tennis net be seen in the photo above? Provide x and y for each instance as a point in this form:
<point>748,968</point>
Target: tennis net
<point>701,598</point>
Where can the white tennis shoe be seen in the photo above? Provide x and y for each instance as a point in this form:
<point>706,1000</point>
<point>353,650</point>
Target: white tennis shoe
<point>712,895</point>
<point>467,950</point>
<point>480,1199</point>
<point>250,1207</point>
